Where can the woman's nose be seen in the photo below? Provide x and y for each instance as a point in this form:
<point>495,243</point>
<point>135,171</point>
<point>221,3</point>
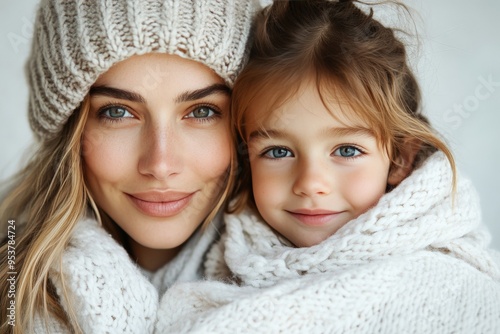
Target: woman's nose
<point>161,155</point>
<point>312,178</point>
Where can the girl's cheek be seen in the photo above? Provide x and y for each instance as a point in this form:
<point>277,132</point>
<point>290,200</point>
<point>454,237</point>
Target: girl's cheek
<point>267,185</point>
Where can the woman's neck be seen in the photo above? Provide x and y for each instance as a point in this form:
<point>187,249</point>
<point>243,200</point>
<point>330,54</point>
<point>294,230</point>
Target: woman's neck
<point>149,258</point>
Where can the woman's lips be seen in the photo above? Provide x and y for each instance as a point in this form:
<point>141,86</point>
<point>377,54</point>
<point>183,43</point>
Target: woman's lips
<point>161,203</point>
<point>314,217</point>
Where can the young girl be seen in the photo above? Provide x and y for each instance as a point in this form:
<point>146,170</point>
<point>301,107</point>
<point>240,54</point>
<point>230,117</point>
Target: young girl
<point>130,104</point>
<point>354,219</point>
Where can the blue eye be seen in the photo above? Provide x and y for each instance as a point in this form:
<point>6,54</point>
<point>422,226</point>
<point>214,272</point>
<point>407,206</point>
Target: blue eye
<point>277,153</point>
<point>201,112</point>
<point>115,113</point>
<point>347,151</point>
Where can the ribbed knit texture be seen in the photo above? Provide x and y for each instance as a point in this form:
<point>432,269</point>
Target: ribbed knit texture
<point>75,41</point>
<point>414,263</point>
<point>108,292</point>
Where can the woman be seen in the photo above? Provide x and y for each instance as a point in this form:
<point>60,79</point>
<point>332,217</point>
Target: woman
<point>130,104</point>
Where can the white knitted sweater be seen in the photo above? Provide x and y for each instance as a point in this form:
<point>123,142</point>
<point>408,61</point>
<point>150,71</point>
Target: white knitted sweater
<point>412,264</point>
<point>109,292</point>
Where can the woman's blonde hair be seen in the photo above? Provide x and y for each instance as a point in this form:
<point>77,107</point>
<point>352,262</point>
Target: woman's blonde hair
<point>48,200</point>
<point>49,197</point>
<point>351,58</point>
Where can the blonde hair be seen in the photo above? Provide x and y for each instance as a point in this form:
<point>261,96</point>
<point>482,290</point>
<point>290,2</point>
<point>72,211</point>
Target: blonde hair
<point>48,199</point>
<point>352,58</point>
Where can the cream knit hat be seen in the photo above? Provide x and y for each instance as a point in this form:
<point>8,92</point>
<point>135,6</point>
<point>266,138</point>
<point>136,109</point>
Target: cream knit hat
<point>75,41</point>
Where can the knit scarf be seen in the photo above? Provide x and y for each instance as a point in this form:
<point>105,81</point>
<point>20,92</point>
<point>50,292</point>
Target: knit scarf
<point>420,214</point>
<point>107,291</point>
<point>417,262</point>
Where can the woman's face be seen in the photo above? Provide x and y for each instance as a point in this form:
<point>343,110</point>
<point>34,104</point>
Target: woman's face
<point>157,147</point>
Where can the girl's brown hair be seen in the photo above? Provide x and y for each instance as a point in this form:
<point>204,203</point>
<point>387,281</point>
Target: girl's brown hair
<point>352,58</point>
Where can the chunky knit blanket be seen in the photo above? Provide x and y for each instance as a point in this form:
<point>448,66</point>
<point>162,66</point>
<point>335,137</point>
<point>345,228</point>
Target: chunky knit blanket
<point>108,292</point>
<point>417,262</point>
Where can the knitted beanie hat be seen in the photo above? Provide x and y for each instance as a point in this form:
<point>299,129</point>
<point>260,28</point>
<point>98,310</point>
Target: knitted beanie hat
<point>75,41</point>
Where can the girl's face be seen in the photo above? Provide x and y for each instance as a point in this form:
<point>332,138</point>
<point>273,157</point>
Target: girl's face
<point>311,172</point>
<point>157,147</point>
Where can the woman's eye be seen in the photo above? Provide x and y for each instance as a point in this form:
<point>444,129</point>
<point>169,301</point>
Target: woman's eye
<point>115,112</point>
<point>277,153</point>
<point>347,151</point>
<point>201,112</point>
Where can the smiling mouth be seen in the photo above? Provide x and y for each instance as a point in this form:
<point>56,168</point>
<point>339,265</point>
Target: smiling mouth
<point>314,217</point>
<point>158,204</point>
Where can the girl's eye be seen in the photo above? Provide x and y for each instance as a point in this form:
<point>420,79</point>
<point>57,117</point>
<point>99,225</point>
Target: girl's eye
<point>115,113</point>
<point>277,153</point>
<point>201,112</point>
<point>347,151</point>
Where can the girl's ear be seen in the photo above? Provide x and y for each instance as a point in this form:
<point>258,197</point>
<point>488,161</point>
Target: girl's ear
<point>403,165</point>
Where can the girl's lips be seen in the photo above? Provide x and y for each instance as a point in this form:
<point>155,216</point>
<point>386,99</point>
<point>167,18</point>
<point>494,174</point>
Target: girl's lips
<point>159,204</point>
<point>314,217</point>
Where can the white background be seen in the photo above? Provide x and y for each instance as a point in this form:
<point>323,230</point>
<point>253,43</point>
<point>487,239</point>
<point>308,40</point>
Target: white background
<point>460,50</point>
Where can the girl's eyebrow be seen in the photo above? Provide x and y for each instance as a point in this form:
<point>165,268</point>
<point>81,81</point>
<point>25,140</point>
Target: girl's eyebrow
<point>334,132</point>
<point>265,134</point>
<point>197,94</point>
<point>350,131</point>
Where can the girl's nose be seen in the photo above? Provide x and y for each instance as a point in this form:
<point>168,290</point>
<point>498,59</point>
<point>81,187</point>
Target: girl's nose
<point>312,179</point>
<point>161,155</point>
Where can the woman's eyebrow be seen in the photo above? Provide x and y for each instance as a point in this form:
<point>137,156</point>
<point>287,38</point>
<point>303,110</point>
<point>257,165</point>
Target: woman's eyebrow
<point>183,97</point>
<point>116,93</point>
<point>203,92</point>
